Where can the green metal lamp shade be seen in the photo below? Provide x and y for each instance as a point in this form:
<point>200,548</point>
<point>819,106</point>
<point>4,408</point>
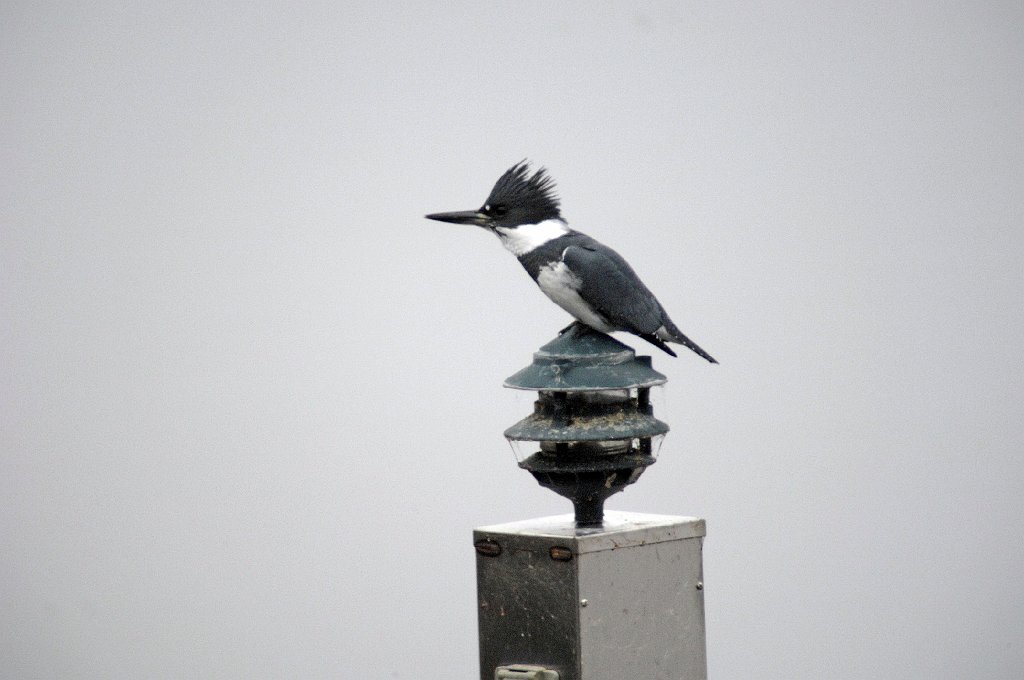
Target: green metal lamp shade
<point>581,359</point>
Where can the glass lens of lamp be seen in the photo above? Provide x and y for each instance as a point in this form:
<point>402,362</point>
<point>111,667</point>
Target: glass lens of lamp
<point>522,449</point>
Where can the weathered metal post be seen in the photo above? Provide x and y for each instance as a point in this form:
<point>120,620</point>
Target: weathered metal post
<point>593,595</point>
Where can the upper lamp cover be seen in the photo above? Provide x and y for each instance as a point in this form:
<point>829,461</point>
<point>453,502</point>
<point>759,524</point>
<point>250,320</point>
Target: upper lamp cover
<point>583,360</point>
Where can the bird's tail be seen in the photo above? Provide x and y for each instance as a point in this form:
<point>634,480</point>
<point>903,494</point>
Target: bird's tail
<point>670,333</point>
<point>683,340</point>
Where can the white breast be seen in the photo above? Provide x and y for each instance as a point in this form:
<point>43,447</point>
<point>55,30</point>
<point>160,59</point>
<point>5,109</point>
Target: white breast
<point>562,286</point>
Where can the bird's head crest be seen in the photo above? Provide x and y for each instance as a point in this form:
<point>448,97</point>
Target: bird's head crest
<point>525,194</point>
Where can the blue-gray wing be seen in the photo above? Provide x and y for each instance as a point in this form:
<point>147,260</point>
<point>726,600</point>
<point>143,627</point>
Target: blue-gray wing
<point>610,285</point>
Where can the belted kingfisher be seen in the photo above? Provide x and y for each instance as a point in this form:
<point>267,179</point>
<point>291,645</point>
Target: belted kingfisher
<point>585,278</point>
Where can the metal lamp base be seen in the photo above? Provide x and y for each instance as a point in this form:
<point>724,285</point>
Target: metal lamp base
<point>623,600</point>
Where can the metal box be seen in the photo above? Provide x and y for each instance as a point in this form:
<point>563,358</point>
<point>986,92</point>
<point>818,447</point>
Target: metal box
<point>624,600</point>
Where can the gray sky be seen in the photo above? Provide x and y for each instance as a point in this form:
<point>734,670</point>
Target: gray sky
<point>251,403</point>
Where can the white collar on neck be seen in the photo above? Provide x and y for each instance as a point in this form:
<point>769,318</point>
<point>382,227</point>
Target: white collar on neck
<point>526,237</point>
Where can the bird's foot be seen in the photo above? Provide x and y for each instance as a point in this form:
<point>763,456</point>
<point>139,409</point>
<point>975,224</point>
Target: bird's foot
<point>578,329</point>
<point>568,328</point>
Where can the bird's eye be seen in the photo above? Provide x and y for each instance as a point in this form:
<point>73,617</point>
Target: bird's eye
<point>500,210</point>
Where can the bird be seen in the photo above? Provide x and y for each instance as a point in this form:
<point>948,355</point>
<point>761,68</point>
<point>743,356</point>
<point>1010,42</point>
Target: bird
<point>587,279</point>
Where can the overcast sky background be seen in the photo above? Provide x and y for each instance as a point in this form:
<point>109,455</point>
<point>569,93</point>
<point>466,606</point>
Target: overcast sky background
<point>251,402</point>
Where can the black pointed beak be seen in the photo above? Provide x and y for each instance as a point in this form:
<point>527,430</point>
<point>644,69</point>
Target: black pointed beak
<point>473,217</point>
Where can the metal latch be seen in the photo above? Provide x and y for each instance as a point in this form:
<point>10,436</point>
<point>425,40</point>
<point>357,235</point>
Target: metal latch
<point>523,672</point>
